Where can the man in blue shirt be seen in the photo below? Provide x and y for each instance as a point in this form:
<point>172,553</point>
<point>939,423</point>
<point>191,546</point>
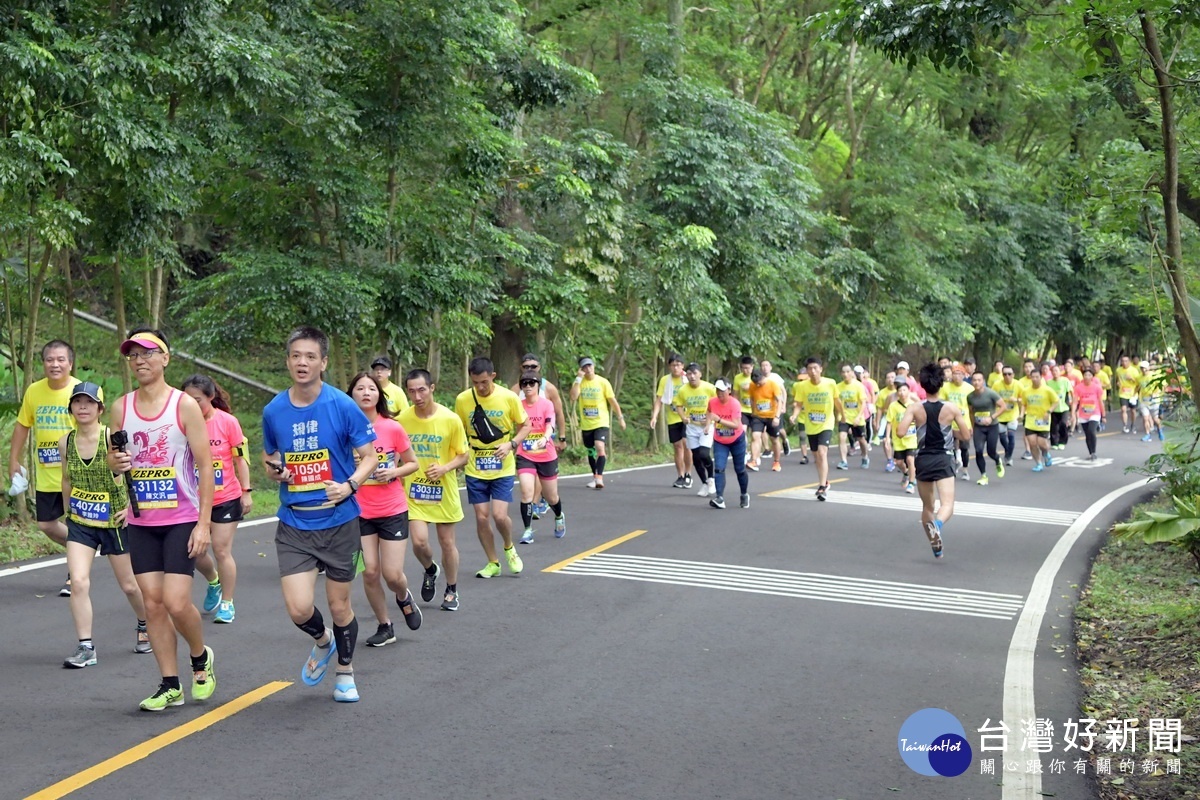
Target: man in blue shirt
<point>310,435</point>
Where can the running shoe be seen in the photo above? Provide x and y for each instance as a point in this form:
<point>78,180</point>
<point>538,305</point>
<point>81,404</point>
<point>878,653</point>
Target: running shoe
<point>983,480</point>
<point>1008,462</point>
<point>787,446</point>
<point>515,565</point>
<point>1146,438</point>
<point>1161,435</point>
<point>560,526</point>
<point>1091,456</point>
<point>717,502</point>
<point>163,697</point>
<point>753,465</point>
<point>225,612</point>
<point>934,534</point>
<point>212,597</point>
<point>592,483</point>
<point>492,570</point>
<point>679,483</point>
<point>744,502</point>
<point>142,643</point>
<point>843,465</point>
<point>712,485</point>
<point>534,511</point>
<point>344,690</point>
<point>202,690</point>
<point>1038,468</point>
<point>803,459</point>
<point>704,490</point>
<point>543,508</point>
<point>890,466</point>
<point>1125,429</point>
<point>384,634</point>
<point>318,661</point>
<point>964,474</point>
<point>65,591</point>
<point>912,487</point>
<point>527,536</point>
<point>687,481</point>
<point>429,581</point>
<point>600,483</point>
<point>822,491</point>
<point>450,601</point>
<point>1000,469</point>
<point>412,617</point>
<point>776,466</point>
<point>83,656</point>
<point>1027,457</point>
<point>1049,460</point>
<point>866,463</point>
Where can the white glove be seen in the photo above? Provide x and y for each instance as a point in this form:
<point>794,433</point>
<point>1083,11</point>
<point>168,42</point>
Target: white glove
<point>18,483</point>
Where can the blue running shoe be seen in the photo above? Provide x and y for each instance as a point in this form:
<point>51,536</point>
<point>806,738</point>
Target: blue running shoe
<point>560,526</point>
<point>1049,460</point>
<point>543,508</point>
<point>1146,438</point>
<point>344,690</point>
<point>225,612</point>
<point>1038,468</point>
<point>212,597</point>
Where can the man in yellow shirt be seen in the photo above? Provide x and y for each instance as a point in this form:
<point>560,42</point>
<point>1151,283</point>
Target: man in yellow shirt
<point>903,443</point>
<point>691,404</point>
<point>1010,392</point>
<point>44,412</point>
<point>1038,402</point>
<point>1129,381</point>
<point>955,392</point>
<point>818,404</point>
<point>381,368</point>
<point>492,467</point>
<point>797,386</point>
<point>595,398</point>
<point>852,423</point>
<point>664,396</point>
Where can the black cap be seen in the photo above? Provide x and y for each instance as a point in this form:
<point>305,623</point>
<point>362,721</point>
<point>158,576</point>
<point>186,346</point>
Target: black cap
<point>88,389</point>
<point>381,361</point>
<point>692,367</point>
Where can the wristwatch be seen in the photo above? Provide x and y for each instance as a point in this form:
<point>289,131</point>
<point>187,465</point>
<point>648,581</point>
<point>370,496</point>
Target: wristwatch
<point>353,486</point>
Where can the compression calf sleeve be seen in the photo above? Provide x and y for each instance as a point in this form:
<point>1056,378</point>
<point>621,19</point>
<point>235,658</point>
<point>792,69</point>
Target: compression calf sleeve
<point>346,637</point>
<point>527,514</point>
<point>315,626</point>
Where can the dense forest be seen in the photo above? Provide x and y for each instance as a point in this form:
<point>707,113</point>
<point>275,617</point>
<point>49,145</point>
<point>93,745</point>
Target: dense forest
<point>441,178</point>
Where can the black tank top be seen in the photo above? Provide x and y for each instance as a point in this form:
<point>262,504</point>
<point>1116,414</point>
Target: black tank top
<point>933,437</point>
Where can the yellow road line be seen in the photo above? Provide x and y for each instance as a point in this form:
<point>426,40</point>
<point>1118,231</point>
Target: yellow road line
<point>593,551</point>
<point>138,752</point>
<point>779,492</point>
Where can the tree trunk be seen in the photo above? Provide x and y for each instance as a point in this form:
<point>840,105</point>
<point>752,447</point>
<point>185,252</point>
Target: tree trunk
<point>122,322</point>
<point>35,305</point>
<point>433,356</point>
<point>675,30</point>
<point>69,305</point>
<point>1169,188</point>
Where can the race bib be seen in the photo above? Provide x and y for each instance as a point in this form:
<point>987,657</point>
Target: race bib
<point>534,443</point>
<point>218,473</point>
<point>816,417</point>
<point>155,487</point>
<point>488,461</point>
<point>699,418</point>
<point>1088,408</point>
<point>309,470</point>
<point>725,429</point>
<point>591,413</point>
<point>386,461</point>
<point>762,405</point>
<point>424,492</point>
<point>1042,422</point>
<point>850,406</point>
<point>979,415</point>
<point>48,453</point>
<point>90,508</point>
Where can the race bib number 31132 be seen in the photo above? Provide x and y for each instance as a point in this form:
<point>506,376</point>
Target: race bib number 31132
<point>156,487</point>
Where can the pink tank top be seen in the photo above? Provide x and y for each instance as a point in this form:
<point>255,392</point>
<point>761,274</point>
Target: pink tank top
<point>164,470</point>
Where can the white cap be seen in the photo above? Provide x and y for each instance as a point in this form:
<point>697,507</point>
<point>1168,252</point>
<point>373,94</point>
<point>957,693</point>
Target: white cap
<point>721,385</point>
<point>858,368</point>
<point>902,365</point>
<point>1144,365</point>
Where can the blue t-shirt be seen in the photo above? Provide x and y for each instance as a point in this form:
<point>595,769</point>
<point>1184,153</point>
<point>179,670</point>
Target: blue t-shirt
<point>317,444</point>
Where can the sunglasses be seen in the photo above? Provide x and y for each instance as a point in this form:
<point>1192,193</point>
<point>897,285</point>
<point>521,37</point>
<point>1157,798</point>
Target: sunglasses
<point>528,383</point>
<point>1008,373</point>
<point>531,366</point>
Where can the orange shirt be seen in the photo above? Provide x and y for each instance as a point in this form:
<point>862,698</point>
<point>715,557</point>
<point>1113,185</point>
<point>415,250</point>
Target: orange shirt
<point>765,399</point>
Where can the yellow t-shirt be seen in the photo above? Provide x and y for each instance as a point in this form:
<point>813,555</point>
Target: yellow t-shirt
<point>435,440</point>
<point>672,416</point>
<point>594,395</point>
<point>1102,377</point>
<point>1128,382</point>
<point>46,413</point>
<point>957,396</point>
<point>741,390</point>
<point>396,401</point>
<point>816,404</point>
<point>504,410</point>
<point>1011,394</point>
<point>895,412</point>
<point>694,401</point>
<point>854,402</point>
<point>994,378</point>
<point>1038,405</point>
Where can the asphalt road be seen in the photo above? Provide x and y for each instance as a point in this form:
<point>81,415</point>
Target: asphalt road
<point>768,652</point>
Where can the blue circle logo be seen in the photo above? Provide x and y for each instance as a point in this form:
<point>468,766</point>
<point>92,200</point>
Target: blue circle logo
<point>933,742</point>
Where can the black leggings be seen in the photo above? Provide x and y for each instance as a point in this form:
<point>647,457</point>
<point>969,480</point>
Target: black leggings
<point>964,454</point>
<point>1089,434</point>
<point>1058,428</point>
<point>1008,438</point>
<point>988,435</point>
<point>702,459</point>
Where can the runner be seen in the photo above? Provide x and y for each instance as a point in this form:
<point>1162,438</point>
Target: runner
<point>1038,403</point>
<point>935,421</point>
<point>664,395</point>
<point>986,407</point>
<point>381,369</point>
<point>1010,392</point>
<point>531,363</point>
<point>817,400</point>
<point>801,379</point>
<point>903,443</point>
<point>766,400</point>
<point>44,412</point>
<point>1129,381</point>
<point>852,419</point>
<point>170,467</point>
<point>595,398</point>
<point>1088,408</point>
<point>729,442</point>
<point>231,496</point>
<point>440,443</point>
<point>538,457</point>
<point>955,391</point>
<point>872,394</point>
<point>774,377</point>
<point>1060,422</point>
<point>1028,368</point>
<point>883,400</point>
<point>691,404</point>
<point>495,425</point>
<point>996,375</point>
<point>311,434</point>
<point>383,524</point>
<point>913,387</point>
<point>1150,401</point>
<point>97,507</point>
